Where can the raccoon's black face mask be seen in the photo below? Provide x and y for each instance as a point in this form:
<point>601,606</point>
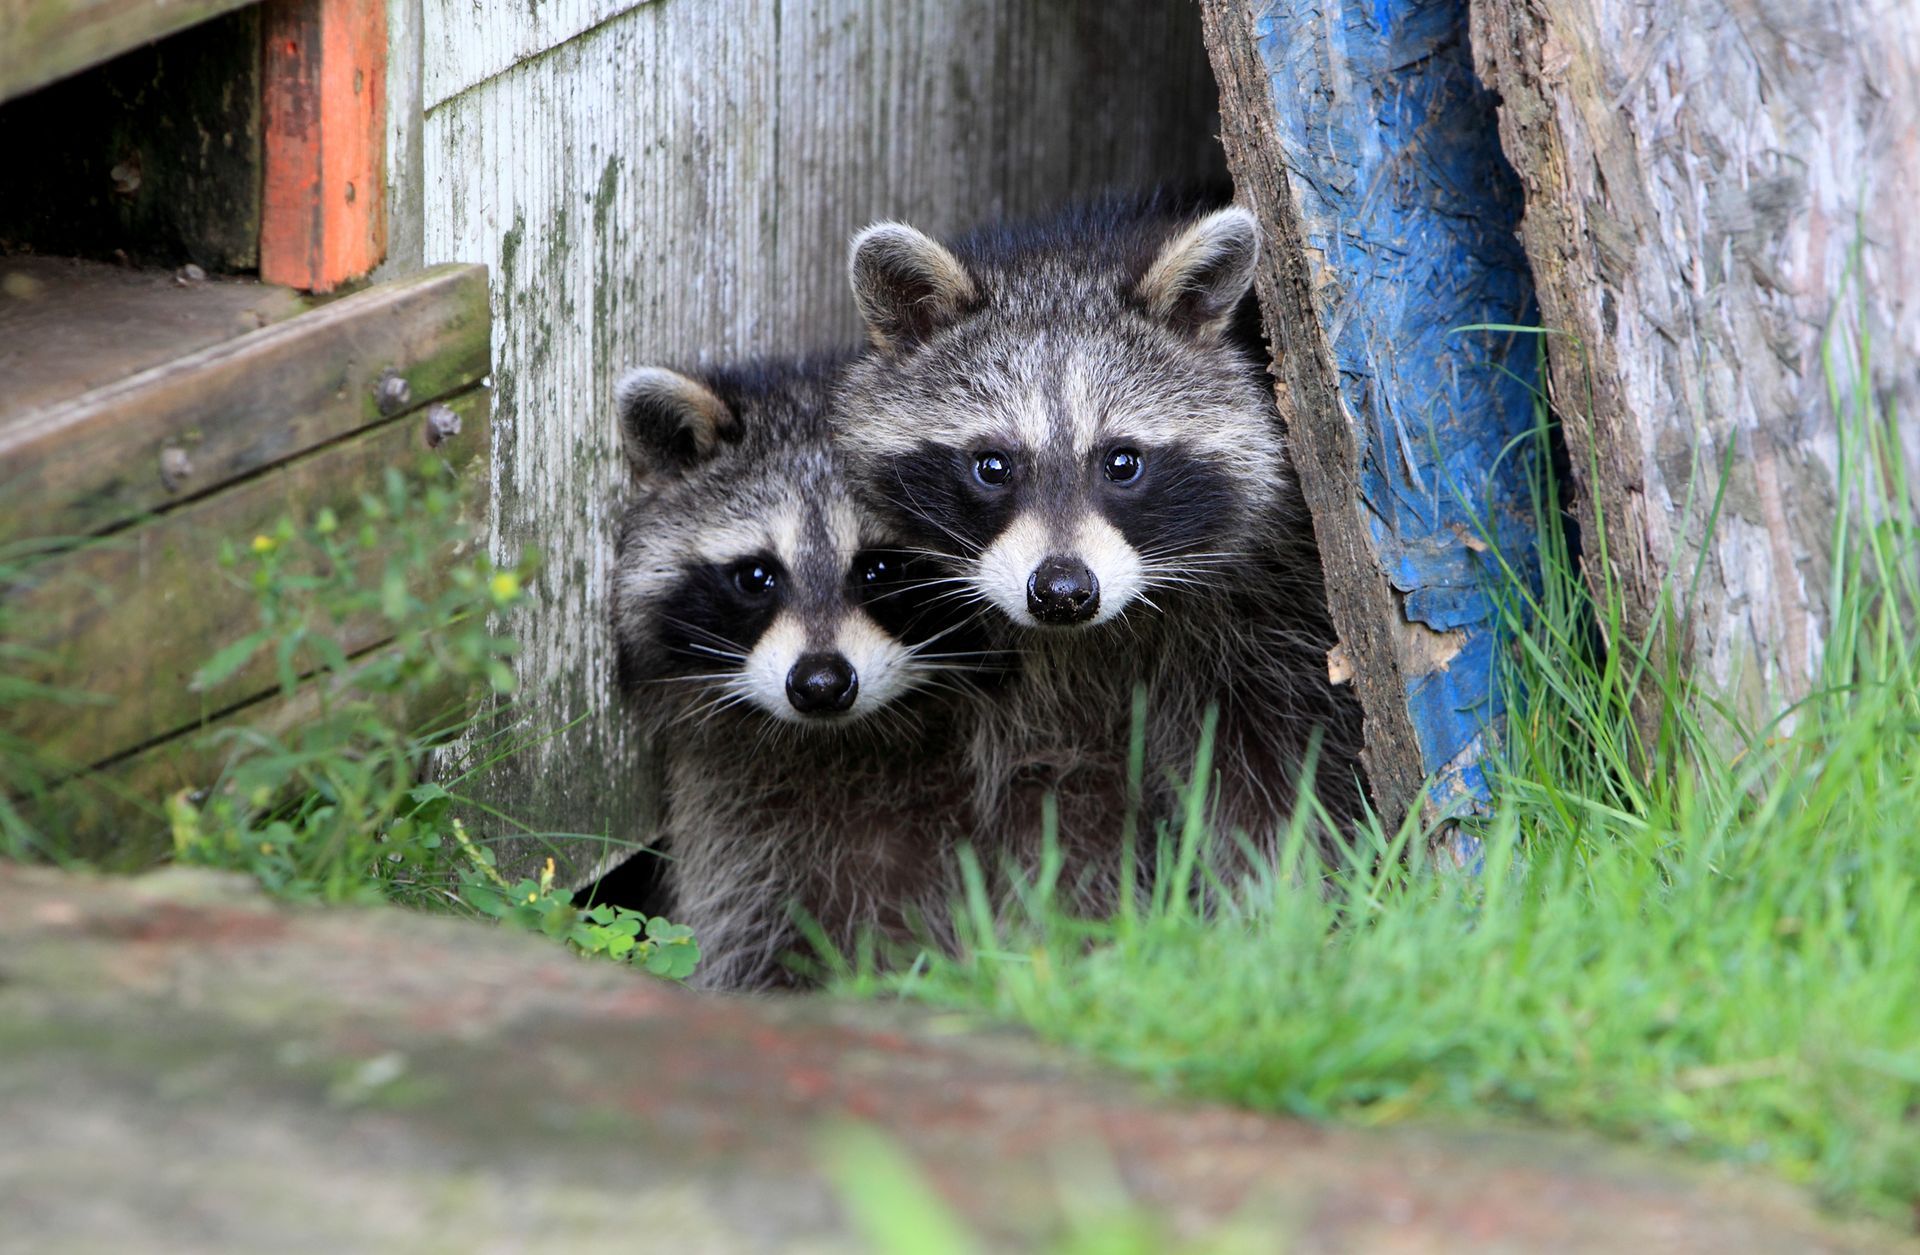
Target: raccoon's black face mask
<point>748,577</point>
<point>1076,431</point>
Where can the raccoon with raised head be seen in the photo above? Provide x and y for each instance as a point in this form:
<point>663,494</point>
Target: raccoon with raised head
<point>1077,415</point>
<point>808,703</point>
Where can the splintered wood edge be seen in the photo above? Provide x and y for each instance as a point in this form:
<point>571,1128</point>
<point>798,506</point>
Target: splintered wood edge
<point>1325,456</point>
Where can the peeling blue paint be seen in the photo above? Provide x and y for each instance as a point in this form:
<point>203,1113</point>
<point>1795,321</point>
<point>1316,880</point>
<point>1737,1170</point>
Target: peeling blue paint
<point>1411,212</point>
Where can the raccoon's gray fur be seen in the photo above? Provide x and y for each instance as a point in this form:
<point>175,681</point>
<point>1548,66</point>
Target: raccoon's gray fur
<point>1076,416</point>
<point>781,658</point>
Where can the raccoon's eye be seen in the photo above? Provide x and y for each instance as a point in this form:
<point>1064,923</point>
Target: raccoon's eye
<point>992,468</point>
<point>754,577</point>
<point>1123,465</point>
<point>876,571</point>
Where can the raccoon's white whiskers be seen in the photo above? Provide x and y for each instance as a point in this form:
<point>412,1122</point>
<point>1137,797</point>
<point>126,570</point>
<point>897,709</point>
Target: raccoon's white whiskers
<point>721,647</point>
<point>1168,579</point>
<point>967,595</point>
<point>707,678</point>
<point>1174,551</point>
<point>919,512</point>
<point>919,649</point>
<point>707,712</point>
<point>722,654</point>
<point>941,555</point>
<point>920,586</point>
<point>919,661</point>
<point>935,682</point>
<point>903,722</point>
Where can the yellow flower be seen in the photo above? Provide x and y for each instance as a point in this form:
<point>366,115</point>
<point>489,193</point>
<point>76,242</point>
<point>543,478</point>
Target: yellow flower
<point>264,544</point>
<point>505,586</point>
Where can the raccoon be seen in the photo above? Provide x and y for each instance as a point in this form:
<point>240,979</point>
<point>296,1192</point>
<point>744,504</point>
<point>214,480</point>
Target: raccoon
<point>807,697</point>
<point>1076,415</point>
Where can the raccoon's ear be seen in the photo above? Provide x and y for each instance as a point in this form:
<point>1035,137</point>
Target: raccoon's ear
<point>669,422</point>
<point>1202,274</point>
<point>907,285</point>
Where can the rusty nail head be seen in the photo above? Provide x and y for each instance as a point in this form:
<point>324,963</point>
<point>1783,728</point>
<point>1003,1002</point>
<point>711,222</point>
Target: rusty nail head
<point>442,425</point>
<point>392,393</point>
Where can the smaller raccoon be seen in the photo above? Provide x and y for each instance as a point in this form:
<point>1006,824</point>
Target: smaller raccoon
<point>1075,413</point>
<point>792,670</point>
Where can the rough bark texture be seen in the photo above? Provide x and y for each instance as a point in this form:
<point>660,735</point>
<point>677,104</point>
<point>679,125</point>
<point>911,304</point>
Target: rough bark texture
<point>191,1068</point>
<point>676,182</point>
<point>1699,176</point>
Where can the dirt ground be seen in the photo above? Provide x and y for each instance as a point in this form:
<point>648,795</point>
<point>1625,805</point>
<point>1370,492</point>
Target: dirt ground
<point>187,1066</point>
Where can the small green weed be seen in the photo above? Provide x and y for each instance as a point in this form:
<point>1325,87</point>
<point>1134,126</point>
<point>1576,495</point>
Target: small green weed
<point>324,803</point>
<point>615,932</point>
<point>336,804</point>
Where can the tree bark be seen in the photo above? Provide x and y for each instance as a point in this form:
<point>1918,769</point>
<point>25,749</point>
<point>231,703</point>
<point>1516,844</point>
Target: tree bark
<point>1713,186</point>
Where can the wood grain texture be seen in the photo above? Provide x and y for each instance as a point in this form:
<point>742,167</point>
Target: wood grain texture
<point>323,215</point>
<point>1360,137</point>
<point>192,422</point>
<point>42,41</point>
<point>1700,179</point>
<point>676,182</point>
<point>132,617</point>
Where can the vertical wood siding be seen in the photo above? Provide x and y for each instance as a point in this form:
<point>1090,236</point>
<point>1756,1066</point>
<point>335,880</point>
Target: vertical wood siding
<point>676,182</point>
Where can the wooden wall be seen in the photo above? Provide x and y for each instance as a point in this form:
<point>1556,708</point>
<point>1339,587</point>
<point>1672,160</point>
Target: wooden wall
<point>675,182</point>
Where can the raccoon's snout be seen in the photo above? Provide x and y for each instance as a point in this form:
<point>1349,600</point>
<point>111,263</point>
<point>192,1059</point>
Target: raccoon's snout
<point>1063,591</point>
<point>822,684</point>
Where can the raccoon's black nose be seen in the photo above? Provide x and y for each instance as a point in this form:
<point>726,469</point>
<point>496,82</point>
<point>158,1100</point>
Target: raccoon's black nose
<point>821,684</point>
<point>1063,590</point>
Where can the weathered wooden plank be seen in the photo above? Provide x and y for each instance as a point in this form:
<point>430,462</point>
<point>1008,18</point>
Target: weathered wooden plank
<point>42,41</point>
<point>154,157</point>
<point>677,182</point>
<point>131,618</point>
<point>323,215</point>
<point>181,428</point>
<point>68,327</point>
<point>1360,136</point>
<point>1710,189</point>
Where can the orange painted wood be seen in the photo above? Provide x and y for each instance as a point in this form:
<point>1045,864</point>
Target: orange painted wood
<point>323,199</point>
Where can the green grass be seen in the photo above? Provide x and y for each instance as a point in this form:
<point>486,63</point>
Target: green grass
<point>1688,930</point>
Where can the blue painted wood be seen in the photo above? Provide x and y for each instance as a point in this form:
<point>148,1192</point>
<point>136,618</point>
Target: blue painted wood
<point>1409,213</point>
